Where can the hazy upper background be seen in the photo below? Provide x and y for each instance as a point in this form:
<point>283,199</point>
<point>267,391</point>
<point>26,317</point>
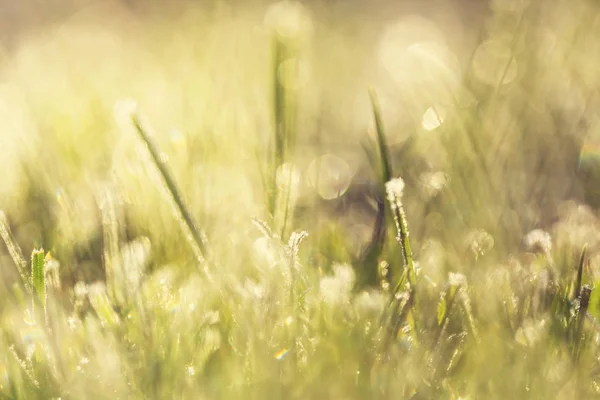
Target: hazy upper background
<point>18,18</point>
<point>499,96</point>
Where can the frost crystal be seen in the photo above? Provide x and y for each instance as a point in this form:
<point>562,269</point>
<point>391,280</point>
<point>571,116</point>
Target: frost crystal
<point>394,189</point>
<point>538,241</point>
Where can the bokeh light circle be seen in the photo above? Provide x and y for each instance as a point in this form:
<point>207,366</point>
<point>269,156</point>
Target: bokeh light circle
<point>330,176</point>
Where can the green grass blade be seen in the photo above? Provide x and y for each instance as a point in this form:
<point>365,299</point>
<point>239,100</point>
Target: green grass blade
<point>38,276</point>
<point>579,278</point>
<point>394,190</point>
<point>279,140</point>
<point>113,267</point>
<point>384,154</point>
<point>169,181</point>
<point>284,121</point>
<point>444,309</point>
<point>15,251</point>
<point>370,257</point>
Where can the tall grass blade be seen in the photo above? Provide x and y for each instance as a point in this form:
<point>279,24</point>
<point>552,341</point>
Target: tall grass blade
<point>577,288</point>
<point>284,120</point>
<point>169,181</point>
<point>370,257</point>
<point>279,142</point>
<point>15,251</point>
<point>384,154</point>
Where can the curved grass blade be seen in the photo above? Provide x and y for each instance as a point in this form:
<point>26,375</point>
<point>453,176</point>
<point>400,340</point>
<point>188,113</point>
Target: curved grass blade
<point>370,257</point>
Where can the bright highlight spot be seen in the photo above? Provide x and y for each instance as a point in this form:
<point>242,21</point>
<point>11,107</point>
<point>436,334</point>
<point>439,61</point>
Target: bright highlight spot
<point>281,354</point>
<point>330,176</point>
<point>433,117</point>
<point>190,370</point>
<point>433,182</point>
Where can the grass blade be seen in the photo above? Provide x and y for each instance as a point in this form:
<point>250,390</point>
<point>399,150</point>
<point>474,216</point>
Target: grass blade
<point>169,181</point>
<point>113,267</point>
<point>384,154</point>
<point>15,251</point>
<point>38,277</point>
<point>370,257</point>
<point>579,278</point>
<point>444,309</point>
<point>279,140</point>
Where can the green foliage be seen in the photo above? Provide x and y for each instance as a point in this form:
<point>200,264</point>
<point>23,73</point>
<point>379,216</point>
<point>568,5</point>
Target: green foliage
<point>492,294</point>
<point>38,277</point>
<point>176,195</point>
<point>15,251</point>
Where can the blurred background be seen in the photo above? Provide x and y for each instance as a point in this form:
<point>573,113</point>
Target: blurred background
<point>490,109</point>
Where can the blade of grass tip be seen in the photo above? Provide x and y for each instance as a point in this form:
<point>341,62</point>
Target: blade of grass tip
<point>14,251</point>
<point>263,227</point>
<point>169,181</point>
<point>386,165</point>
<point>38,277</point>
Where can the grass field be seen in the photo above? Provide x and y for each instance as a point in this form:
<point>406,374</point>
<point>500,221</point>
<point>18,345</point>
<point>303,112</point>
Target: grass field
<point>314,200</point>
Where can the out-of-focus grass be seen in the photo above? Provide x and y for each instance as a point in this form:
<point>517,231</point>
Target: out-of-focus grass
<point>496,143</point>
